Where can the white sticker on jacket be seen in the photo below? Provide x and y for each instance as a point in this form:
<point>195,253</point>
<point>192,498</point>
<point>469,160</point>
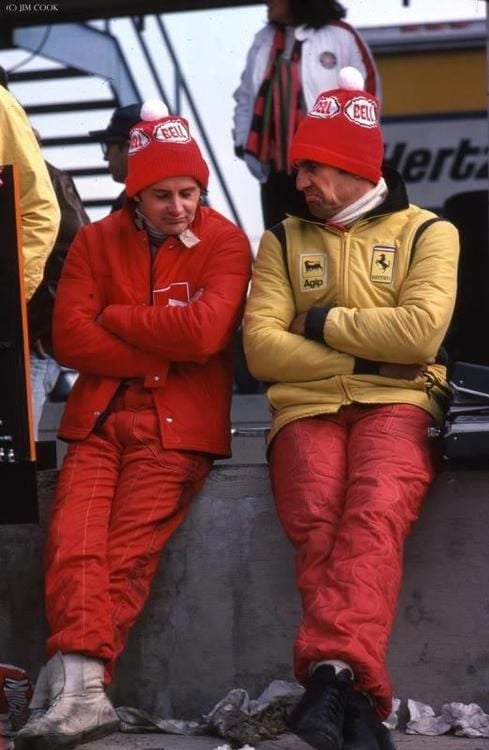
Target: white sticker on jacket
<point>174,295</point>
<point>382,264</point>
<point>313,271</point>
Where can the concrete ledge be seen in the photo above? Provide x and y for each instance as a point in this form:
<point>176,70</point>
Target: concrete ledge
<point>224,609</point>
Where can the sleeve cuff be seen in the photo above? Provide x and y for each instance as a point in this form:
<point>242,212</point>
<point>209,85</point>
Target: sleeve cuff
<point>365,367</point>
<point>314,325</point>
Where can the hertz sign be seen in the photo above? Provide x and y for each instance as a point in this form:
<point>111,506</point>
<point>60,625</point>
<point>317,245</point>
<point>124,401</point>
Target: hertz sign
<point>439,157</point>
<point>434,106</point>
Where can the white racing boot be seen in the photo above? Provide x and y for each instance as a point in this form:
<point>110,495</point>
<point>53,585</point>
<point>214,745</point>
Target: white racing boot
<point>79,710</point>
<point>40,701</point>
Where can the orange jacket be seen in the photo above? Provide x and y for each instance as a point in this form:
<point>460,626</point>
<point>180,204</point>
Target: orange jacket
<point>110,325</point>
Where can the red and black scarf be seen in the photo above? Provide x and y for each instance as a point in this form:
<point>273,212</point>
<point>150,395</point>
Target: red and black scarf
<point>279,107</point>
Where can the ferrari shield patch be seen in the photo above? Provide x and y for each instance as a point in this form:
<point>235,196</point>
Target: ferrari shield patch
<point>382,264</point>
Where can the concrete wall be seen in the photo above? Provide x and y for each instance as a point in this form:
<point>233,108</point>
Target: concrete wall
<point>224,609</point>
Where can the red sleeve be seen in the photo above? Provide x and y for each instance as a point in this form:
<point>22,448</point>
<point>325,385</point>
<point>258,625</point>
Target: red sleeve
<point>205,326</point>
<point>79,340</point>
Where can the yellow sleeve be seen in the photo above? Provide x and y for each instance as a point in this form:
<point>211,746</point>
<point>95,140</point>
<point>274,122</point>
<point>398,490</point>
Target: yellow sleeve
<point>273,354</point>
<point>413,331</point>
<point>39,208</point>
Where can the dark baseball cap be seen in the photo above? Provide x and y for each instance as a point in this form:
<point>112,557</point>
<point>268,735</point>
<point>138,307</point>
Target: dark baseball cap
<point>122,120</point>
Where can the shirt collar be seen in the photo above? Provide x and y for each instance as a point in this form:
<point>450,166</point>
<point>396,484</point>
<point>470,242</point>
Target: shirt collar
<point>302,33</point>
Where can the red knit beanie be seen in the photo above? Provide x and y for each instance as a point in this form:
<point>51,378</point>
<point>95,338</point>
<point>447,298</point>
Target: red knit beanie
<point>342,129</point>
<point>161,146</point>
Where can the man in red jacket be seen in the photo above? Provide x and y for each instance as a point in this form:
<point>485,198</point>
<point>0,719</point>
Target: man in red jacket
<point>146,308</point>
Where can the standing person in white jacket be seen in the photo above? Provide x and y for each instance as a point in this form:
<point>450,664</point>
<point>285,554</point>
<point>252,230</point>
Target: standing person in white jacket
<point>292,59</point>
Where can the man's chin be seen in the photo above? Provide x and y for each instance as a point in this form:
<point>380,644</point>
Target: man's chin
<point>173,227</point>
<point>315,208</point>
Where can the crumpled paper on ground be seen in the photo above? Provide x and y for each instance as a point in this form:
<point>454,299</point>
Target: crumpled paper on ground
<point>393,719</point>
<point>236,718</point>
<point>463,719</point>
<point>240,720</point>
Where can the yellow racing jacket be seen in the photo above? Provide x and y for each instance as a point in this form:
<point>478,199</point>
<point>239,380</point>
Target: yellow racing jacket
<point>381,291</point>
<point>39,209</point>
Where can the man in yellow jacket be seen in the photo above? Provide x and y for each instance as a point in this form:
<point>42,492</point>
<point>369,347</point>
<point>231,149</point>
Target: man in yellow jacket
<point>346,316</point>
<point>39,211</point>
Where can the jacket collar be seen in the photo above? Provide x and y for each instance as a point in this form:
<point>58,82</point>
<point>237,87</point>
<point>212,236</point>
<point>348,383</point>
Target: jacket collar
<point>396,198</point>
<point>302,33</point>
<point>189,237</point>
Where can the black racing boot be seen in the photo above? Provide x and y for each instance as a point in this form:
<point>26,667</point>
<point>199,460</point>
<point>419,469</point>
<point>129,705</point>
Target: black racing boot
<point>318,717</point>
<point>360,726</point>
<point>384,737</point>
<point>361,729</point>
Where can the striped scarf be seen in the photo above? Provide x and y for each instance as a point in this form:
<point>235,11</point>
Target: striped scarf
<point>279,107</point>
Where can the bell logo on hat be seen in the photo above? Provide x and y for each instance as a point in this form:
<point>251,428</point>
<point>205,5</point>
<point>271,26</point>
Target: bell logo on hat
<point>161,147</point>
<point>139,140</point>
<point>362,111</point>
<point>172,131</point>
<point>325,106</point>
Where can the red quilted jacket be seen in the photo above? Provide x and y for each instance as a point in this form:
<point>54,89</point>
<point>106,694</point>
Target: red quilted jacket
<point>119,314</point>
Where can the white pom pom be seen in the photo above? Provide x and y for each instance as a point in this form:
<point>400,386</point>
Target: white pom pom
<point>350,78</point>
<point>153,109</point>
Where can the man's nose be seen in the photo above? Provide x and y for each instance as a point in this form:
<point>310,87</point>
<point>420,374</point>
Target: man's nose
<point>175,205</point>
<point>302,180</point>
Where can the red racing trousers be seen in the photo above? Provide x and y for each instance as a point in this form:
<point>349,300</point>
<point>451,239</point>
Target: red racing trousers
<point>120,496</point>
<point>348,487</point>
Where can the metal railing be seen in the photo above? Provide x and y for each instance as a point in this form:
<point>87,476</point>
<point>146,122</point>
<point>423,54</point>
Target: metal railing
<point>181,87</point>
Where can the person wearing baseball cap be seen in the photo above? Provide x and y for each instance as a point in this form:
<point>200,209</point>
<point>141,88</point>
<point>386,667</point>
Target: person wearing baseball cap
<point>120,124</point>
<point>114,140</point>
<point>347,312</point>
<point>146,308</point>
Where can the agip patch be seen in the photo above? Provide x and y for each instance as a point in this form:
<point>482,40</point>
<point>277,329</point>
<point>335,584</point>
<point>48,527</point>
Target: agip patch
<point>313,271</point>
<point>382,264</point>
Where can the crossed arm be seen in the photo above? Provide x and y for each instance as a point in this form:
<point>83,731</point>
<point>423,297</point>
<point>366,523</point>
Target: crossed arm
<point>394,342</point>
<point>94,334</point>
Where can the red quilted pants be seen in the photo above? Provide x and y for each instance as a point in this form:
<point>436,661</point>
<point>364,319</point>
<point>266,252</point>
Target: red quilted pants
<point>120,496</point>
<point>347,488</point>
